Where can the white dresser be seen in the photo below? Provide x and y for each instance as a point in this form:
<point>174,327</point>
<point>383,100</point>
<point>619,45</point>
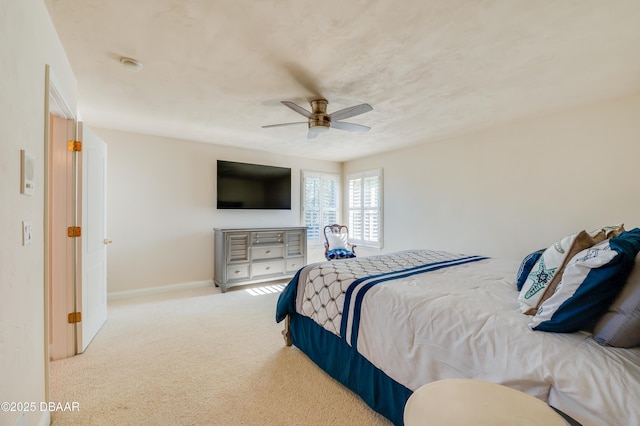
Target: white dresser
<point>252,255</point>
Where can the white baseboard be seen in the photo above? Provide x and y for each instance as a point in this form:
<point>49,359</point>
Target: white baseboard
<point>157,290</point>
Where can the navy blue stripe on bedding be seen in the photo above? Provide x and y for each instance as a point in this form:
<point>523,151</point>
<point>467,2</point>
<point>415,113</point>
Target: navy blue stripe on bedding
<point>354,285</point>
<point>333,355</point>
<point>360,291</point>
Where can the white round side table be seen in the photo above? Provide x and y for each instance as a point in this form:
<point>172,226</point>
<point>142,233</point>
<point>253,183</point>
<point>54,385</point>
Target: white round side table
<point>458,402</point>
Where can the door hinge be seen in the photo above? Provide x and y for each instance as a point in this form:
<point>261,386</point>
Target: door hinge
<point>74,231</point>
<point>75,146</point>
<point>74,317</point>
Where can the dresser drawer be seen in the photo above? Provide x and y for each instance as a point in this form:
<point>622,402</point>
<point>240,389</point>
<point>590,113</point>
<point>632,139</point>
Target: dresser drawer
<point>267,237</point>
<point>295,263</point>
<point>237,272</point>
<point>267,252</point>
<point>259,269</point>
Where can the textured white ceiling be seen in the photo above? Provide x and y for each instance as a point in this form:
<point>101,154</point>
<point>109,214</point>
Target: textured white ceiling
<point>216,70</point>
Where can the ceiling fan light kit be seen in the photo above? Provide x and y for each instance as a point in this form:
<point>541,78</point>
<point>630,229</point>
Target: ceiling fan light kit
<point>319,121</point>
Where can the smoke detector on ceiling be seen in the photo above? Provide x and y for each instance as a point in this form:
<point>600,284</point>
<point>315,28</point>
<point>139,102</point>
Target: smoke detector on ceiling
<point>131,64</point>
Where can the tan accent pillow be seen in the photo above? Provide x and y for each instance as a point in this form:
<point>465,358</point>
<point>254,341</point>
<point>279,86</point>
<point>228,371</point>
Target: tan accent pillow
<point>547,272</point>
<point>613,231</point>
<point>609,231</point>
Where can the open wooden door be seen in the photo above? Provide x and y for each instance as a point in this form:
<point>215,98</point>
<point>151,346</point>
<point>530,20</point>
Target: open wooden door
<point>61,250</point>
<point>92,289</point>
<point>77,261</point>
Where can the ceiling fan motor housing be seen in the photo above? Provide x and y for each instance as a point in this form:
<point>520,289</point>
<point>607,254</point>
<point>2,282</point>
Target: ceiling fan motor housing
<point>319,111</point>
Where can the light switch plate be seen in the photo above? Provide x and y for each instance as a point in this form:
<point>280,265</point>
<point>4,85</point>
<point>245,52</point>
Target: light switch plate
<point>27,173</point>
<point>27,232</point>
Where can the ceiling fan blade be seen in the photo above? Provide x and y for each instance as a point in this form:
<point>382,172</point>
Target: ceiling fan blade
<point>315,131</point>
<point>350,112</point>
<point>285,124</point>
<point>298,109</point>
<point>349,126</point>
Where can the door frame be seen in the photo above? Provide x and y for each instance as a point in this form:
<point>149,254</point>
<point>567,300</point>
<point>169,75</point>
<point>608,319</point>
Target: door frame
<point>54,103</point>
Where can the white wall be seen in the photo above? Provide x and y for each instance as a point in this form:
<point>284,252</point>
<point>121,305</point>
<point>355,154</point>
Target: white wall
<point>162,207</point>
<point>510,190</point>
<point>28,41</point>
<point>501,192</point>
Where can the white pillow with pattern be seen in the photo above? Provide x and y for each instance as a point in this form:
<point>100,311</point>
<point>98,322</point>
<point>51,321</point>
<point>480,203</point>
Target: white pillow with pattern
<point>547,271</point>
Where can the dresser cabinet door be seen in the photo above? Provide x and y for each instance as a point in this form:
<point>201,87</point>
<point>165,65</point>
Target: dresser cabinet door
<point>238,247</point>
<point>295,243</point>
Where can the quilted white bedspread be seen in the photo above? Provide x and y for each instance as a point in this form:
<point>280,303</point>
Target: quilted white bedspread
<point>463,321</point>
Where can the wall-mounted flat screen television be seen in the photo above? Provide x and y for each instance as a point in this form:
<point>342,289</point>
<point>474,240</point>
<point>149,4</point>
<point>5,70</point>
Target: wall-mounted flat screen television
<point>253,186</point>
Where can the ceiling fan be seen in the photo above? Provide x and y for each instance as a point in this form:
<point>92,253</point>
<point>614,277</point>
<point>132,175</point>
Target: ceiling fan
<point>319,121</point>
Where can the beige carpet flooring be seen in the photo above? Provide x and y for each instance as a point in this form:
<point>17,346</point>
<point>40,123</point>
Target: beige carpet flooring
<point>199,357</point>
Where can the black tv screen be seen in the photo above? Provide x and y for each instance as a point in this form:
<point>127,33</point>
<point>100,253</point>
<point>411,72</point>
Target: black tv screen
<point>253,186</point>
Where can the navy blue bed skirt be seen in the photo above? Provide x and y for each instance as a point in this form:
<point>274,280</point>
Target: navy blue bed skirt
<point>346,365</point>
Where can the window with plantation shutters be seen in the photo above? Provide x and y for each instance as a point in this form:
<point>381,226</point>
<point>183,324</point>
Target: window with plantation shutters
<point>320,199</point>
<point>365,208</point>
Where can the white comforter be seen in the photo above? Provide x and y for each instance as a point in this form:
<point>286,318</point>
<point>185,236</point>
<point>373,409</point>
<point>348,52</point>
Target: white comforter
<point>463,322</point>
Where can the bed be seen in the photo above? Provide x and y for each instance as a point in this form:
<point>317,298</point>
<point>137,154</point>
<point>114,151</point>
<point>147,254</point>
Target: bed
<point>385,325</point>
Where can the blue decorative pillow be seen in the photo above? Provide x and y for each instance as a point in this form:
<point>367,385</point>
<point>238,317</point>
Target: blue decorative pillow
<point>526,266</point>
<point>547,272</point>
<point>339,254</point>
<point>590,282</point>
